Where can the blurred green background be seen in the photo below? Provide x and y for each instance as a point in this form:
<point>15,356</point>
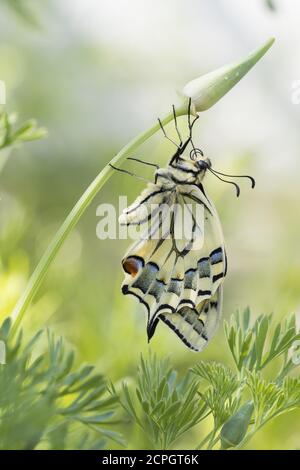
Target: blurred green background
<point>96,73</point>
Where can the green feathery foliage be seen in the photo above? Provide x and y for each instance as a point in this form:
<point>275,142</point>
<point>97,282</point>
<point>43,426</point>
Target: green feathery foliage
<point>46,403</point>
<point>23,10</point>
<point>163,407</point>
<point>10,136</point>
<point>240,401</point>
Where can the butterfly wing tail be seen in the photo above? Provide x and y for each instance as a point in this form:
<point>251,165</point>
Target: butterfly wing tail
<point>195,327</point>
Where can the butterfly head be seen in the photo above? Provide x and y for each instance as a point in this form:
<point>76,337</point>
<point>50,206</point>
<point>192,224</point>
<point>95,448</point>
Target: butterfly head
<point>192,166</point>
<point>202,163</point>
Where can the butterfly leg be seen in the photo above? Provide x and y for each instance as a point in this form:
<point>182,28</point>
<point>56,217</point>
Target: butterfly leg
<point>176,125</point>
<point>165,134</point>
<point>129,173</point>
<point>142,161</point>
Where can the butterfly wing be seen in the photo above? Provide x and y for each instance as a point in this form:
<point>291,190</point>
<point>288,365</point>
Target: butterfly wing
<point>196,326</point>
<point>199,294</point>
<point>177,278</point>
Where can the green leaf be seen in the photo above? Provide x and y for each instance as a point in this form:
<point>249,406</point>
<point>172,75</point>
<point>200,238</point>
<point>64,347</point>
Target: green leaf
<point>23,11</point>
<point>73,378</point>
<point>5,329</point>
<point>246,319</point>
<point>261,335</point>
<point>33,406</point>
<point>115,436</point>
<point>245,350</point>
<point>95,419</point>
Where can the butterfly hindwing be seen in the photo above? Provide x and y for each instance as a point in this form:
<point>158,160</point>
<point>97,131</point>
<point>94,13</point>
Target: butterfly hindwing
<point>196,326</point>
<point>177,278</point>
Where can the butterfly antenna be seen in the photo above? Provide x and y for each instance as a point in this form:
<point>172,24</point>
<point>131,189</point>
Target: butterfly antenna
<point>238,191</point>
<point>237,176</point>
<point>165,134</point>
<point>176,125</point>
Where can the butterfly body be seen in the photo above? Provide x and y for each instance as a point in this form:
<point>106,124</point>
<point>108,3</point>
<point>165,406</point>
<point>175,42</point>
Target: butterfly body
<point>177,276</point>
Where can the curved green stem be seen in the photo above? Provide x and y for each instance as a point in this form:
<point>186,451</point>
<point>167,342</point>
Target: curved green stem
<point>213,438</point>
<point>74,216</point>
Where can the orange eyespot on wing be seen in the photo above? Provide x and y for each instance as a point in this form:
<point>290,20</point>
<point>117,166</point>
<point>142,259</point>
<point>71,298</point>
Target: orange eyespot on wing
<point>132,265</point>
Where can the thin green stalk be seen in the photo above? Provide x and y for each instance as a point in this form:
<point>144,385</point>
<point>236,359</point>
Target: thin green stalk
<point>259,426</point>
<point>213,439</point>
<point>204,441</point>
<point>74,216</point>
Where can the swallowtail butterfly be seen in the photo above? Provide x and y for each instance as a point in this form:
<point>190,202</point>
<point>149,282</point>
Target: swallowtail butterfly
<point>179,281</point>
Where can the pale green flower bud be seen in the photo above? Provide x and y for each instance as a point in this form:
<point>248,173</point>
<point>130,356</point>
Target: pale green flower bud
<point>235,428</point>
<point>206,90</point>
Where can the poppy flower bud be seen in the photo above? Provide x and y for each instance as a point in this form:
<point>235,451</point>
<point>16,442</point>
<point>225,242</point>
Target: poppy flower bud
<point>235,428</point>
<point>206,90</point>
